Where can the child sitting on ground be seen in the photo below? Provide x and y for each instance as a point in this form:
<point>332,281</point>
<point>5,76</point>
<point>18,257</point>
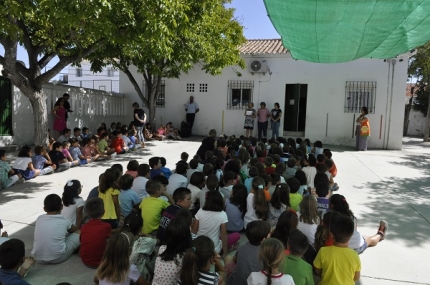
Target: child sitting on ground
<point>132,168</point>
<point>269,169</point>
<point>178,179</point>
<point>272,255</point>
<point>88,149</point>
<point>323,201</point>
<point>51,242</point>
<point>182,199</point>
<point>76,153</point>
<point>155,164</point>
<point>139,183</point>
<point>197,263</point>
<point>245,261</point>
<point>184,156</point>
<point>211,185</point>
<point>293,264</point>
<point>77,134</point>
<point>253,172</point>
<point>291,168</point>
<point>103,145</point>
<point>118,144</point>
<point>66,153</point>
<point>295,198</point>
<point>23,164</point>
<point>12,258</point>
<point>94,234</point>
<point>128,198</point>
<point>115,267</point>
<point>7,174</point>
<point>58,158</point>
<point>73,203</point>
<point>257,207</point>
<point>338,264</point>
<point>42,161</point>
<point>165,170</point>
<point>66,134</point>
<point>108,192</point>
<point>152,207</point>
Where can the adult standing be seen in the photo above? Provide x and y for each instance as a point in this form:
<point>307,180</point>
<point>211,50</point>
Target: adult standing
<point>66,98</point>
<point>263,115</point>
<point>139,117</point>
<point>249,119</point>
<point>363,130</point>
<point>276,114</point>
<point>59,113</point>
<point>192,108</point>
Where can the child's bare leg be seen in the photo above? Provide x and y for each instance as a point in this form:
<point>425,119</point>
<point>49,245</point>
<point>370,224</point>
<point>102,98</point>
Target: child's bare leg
<point>375,239</point>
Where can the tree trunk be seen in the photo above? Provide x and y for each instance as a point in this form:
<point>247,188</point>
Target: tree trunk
<point>40,117</point>
<point>408,108</point>
<point>427,122</point>
<point>153,96</point>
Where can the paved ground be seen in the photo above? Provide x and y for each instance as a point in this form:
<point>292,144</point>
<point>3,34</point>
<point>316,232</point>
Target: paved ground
<point>390,185</point>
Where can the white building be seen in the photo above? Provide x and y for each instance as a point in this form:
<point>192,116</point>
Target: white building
<point>107,80</point>
<point>319,101</point>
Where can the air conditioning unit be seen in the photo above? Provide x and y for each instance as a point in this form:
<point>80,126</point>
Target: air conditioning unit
<point>258,66</point>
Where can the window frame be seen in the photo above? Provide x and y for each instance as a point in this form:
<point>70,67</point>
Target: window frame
<point>161,100</point>
<point>239,85</point>
<point>360,94</point>
<point>79,72</point>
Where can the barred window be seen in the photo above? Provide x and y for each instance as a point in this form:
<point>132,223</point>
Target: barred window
<point>239,94</point>
<point>110,72</point>
<point>78,72</point>
<point>190,87</point>
<point>203,87</point>
<point>360,94</point>
<point>161,100</point>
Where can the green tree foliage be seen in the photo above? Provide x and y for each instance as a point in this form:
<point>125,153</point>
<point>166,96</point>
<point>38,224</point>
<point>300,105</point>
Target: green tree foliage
<point>67,30</point>
<point>419,67</point>
<point>200,33</point>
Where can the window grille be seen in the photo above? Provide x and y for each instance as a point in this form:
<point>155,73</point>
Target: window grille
<point>190,87</point>
<point>239,94</point>
<point>110,72</point>
<point>360,94</point>
<point>203,87</point>
<point>78,72</point>
<point>161,100</point>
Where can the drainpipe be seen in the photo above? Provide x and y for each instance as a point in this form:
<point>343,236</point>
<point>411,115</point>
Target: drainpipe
<point>386,104</point>
<point>393,62</point>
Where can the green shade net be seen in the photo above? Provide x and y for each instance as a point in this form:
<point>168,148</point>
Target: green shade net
<point>332,31</point>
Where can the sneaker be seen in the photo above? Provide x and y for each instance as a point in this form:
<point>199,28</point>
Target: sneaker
<point>335,187</point>
<point>20,181</point>
<point>382,231</point>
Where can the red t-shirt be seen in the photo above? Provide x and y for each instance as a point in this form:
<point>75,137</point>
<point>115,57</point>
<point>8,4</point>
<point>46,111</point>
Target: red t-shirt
<point>117,144</point>
<point>270,170</point>
<point>333,170</point>
<point>94,235</point>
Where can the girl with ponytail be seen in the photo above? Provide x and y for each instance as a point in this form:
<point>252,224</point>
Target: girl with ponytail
<point>358,242</point>
<point>257,207</point>
<point>197,262</point>
<point>271,255</point>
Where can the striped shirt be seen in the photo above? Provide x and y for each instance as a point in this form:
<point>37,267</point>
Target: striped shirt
<point>206,278</point>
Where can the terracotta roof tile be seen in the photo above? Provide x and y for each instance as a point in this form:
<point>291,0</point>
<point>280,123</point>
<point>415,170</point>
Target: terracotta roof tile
<point>253,47</point>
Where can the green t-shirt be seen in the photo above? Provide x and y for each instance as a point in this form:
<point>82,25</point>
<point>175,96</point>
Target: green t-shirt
<point>300,270</point>
<point>295,199</point>
<point>102,145</point>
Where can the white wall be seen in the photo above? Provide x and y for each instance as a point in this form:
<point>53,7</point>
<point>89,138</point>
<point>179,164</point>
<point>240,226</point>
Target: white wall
<point>416,123</point>
<point>326,94</point>
<point>91,108</point>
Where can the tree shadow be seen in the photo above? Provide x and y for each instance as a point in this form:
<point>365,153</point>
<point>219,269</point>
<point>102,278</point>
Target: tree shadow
<point>402,201</point>
<point>22,191</point>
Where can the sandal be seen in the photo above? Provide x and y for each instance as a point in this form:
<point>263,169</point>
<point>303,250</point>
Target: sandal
<point>382,231</point>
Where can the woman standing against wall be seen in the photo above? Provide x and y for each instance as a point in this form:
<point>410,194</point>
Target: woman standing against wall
<point>59,113</point>
<point>263,115</point>
<point>362,130</point>
<point>249,119</point>
<point>276,114</point>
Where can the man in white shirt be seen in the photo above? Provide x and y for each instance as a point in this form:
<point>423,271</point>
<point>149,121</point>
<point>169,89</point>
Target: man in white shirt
<point>178,179</point>
<point>192,108</point>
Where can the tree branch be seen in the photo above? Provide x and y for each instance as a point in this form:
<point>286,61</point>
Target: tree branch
<point>63,62</point>
<point>46,59</point>
<point>136,86</point>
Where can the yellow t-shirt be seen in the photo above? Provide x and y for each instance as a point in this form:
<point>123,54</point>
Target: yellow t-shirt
<point>110,213</point>
<point>338,265</point>
<point>151,213</point>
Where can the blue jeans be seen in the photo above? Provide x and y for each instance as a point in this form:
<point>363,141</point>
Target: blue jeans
<point>275,129</point>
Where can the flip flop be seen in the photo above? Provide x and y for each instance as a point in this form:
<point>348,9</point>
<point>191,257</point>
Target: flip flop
<point>382,231</point>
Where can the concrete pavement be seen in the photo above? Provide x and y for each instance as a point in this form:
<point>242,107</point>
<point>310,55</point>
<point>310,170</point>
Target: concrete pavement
<point>390,185</point>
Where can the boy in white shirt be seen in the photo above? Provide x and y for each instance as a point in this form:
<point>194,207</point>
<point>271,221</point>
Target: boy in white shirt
<point>139,183</point>
<point>55,238</point>
<point>178,179</point>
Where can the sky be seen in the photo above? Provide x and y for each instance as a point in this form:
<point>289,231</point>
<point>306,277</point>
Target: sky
<point>250,13</point>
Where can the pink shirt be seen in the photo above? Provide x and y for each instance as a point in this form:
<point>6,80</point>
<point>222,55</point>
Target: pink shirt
<point>263,115</point>
<point>66,153</point>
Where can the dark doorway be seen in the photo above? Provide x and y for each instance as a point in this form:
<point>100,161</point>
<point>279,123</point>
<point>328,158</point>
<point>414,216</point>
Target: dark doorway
<point>5,107</point>
<point>296,96</point>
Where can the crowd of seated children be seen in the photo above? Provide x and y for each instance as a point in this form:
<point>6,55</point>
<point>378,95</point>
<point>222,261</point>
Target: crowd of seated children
<point>131,214</point>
